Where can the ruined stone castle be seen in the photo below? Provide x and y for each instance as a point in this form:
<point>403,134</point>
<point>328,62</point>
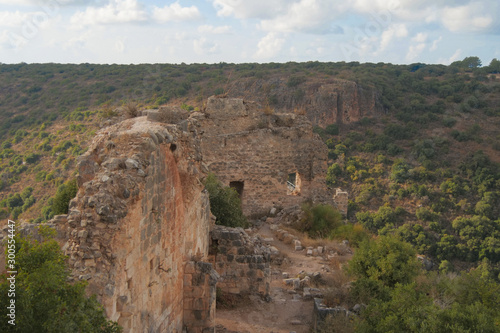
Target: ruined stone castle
<point>140,229</point>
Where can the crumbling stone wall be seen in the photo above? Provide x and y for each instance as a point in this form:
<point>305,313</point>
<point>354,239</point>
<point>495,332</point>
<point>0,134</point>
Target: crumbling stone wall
<point>242,263</point>
<point>199,296</point>
<point>139,216</point>
<point>260,152</point>
<point>341,201</point>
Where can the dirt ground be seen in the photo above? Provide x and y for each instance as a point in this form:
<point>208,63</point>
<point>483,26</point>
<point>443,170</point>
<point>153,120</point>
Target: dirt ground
<point>287,311</point>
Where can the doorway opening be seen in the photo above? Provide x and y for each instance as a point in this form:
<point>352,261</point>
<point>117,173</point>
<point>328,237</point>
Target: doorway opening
<point>238,186</point>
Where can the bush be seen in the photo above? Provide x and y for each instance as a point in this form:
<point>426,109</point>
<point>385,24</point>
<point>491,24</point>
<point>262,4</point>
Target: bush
<point>65,193</point>
<point>387,260</point>
<point>385,216</point>
<point>425,214</point>
<point>354,233</point>
<point>225,203</point>
<point>319,220</point>
<point>45,300</point>
<point>32,158</point>
<point>332,129</point>
<point>333,172</point>
<point>131,110</point>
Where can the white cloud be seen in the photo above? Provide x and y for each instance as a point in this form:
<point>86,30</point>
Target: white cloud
<point>13,19</point>
<point>421,37</point>
<point>416,49</point>
<point>455,56</point>
<point>117,11</point>
<point>313,16</point>
<point>472,17</point>
<point>250,9</point>
<point>393,31</point>
<point>210,29</point>
<point>269,46</point>
<point>435,43</point>
<point>202,46</point>
<point>76,43</point>
<point>42,2</point>
<point>175,12</point>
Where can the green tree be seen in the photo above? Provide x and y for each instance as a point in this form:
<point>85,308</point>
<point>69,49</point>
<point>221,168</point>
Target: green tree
<point>45,301</point>
<point>65,193</point>
<point>471,62</point>
<point>387,260</point>
<point>225,203</point>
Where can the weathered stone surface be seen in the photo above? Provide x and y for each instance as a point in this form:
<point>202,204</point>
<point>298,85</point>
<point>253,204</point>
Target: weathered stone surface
<point>341,201</point>
<point>325,102</point>
<point>241,261</point>
<point>137,228</point>
<point>259,153</point>
<point>141,215</point>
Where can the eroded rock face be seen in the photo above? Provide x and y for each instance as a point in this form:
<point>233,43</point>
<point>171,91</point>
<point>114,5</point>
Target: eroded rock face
<point>325,102</point>
<point>139,216</point>
<point>342,102</point>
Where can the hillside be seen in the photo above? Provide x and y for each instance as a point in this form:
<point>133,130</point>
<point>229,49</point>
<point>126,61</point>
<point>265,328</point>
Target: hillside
<point>416,146</point>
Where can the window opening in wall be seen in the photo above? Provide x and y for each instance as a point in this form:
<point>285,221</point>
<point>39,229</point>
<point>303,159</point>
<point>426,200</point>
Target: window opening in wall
<point>238,186</point>
<point>293,184</point>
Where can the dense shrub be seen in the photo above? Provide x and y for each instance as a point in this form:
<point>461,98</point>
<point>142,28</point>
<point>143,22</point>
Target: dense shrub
<point>387,260</point>
<point>225,203</point>
<point>65,193</point>
<point>354,233</point>
<point>45,300</point>
<point>318,220</point>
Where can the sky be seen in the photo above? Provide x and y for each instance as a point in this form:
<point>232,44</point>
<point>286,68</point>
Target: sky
<point>243,31</point>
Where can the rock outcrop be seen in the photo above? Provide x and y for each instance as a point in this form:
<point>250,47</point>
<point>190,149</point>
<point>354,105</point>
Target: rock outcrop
<point>324,102</point>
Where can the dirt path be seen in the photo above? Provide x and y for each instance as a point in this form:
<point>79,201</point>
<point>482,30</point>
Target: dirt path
<point>287,311</point>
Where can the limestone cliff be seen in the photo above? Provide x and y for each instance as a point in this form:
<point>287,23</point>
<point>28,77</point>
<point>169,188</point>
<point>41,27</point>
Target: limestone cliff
<point>323,101</point>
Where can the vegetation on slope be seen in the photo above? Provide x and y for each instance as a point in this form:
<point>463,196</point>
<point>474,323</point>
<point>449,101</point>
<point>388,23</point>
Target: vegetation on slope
<point>426,171</point>
<point>44,299</point>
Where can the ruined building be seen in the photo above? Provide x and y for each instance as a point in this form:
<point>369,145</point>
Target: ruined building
<point>139,228</point>
<point>272,160</point>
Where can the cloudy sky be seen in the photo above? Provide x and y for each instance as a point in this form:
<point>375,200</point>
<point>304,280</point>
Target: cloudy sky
<point>212,31</point>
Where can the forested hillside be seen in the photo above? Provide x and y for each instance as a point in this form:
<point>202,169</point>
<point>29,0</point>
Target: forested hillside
<point>424,167</point>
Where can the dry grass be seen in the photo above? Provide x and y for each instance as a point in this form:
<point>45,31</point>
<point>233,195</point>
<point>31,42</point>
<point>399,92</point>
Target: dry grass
<point>336,279</point>
<point>338,262</point>
<point>300,111</point>
<point>131,110</point>
<point>337,324</point>
<point>315,242</point>
<point>268,110</point>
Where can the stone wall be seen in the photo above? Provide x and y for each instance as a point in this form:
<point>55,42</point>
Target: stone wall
<point>199,296</point>
<point>341,201</point>
<point>260,152</point>
<point>243,265</point>
<point>139,216</point>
